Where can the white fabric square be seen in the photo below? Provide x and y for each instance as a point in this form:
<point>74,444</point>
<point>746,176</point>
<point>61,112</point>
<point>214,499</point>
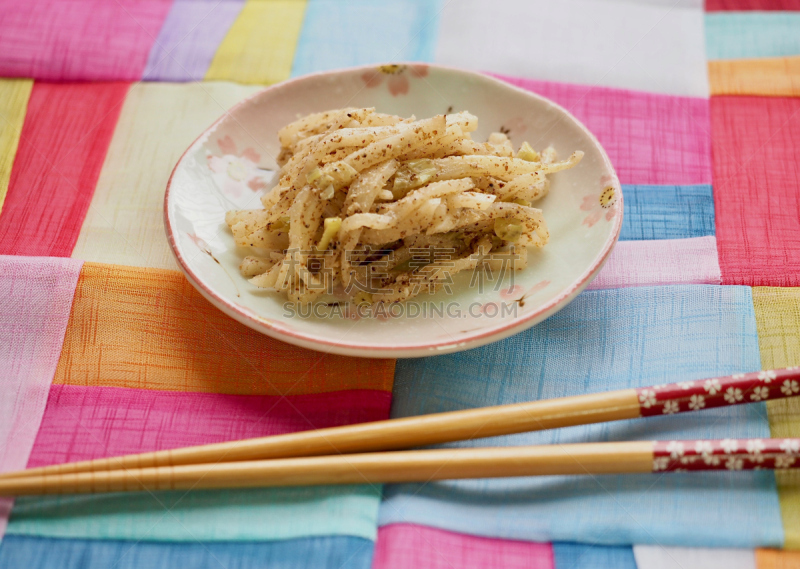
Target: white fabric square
<point>648,45</point>
<point>657,557</point>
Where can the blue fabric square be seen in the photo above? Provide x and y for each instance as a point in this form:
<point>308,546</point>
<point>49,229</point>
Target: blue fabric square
<point>319,552</point>
<point>667,212</point>
<point>583,556</point>
<point>604,340</point>
<point>345,34</point>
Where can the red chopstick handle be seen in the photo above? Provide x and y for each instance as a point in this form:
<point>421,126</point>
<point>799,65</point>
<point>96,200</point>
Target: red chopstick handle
<point>726,454</point>
<point>719,391</point>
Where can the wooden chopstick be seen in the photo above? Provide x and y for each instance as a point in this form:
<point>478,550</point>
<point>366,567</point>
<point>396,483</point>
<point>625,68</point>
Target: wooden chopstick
<point>426,465</point>
<point>424,430</point>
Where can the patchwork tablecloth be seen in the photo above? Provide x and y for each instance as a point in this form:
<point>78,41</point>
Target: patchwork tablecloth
<point>106,349</point>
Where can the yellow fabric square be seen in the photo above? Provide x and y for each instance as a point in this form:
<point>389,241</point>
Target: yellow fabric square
<point>260,45</point>
<point>125,222</point>
<point>14,95</point>
<point>778,321</point>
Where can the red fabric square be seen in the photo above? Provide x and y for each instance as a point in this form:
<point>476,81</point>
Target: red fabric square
<point>62,147</point>
<point>739,5</point>
<point>755,149</point>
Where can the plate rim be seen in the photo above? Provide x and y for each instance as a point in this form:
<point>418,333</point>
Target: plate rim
<point>471,340</point>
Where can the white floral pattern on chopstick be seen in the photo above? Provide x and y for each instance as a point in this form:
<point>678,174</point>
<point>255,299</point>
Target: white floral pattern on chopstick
<point>718,391</point>
<point>727,454</point>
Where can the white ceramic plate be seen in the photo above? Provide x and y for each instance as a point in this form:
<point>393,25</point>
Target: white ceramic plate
<point>232,162</point>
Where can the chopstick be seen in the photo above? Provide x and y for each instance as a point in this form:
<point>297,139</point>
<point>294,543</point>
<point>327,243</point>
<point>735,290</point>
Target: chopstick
<point>437,428</point>
<point>426,465</point>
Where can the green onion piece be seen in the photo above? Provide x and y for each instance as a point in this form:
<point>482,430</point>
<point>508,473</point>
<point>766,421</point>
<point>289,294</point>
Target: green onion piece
<point>282,223</point>
<point>313,175</point>
<point>414,174</point>
<point>324,181</point>
<point>508,229</point>
<point>344,172</point>
<point>337,173</point>
<point>422,166</point>
<point>330,229</point>
<point>402,180</point>
<point>328,192</point>
<point>527,153</point>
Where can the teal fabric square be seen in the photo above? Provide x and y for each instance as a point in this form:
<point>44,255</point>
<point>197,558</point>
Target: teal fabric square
<point>740,35</point>
<point>239,515</point>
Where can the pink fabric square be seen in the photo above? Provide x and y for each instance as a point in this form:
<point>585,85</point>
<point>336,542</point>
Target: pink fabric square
<point>82,423</point>
<point>661,262</point>
<point>78,40</point>
<point>401,546</point>
<point>651,139</point>
<point>35,302</point>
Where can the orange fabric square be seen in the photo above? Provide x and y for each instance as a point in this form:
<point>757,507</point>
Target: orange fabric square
<point>150,329</point>
<point>766,77</point>
<point>775,559</point>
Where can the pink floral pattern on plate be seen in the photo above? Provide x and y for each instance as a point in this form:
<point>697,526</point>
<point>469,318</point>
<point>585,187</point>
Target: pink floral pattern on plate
<point>200,242</point>
<point>510,292</point>
<point>234,171</point>
<point>541,285</point>
<point>599,205</point>
<point>397,78</point>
